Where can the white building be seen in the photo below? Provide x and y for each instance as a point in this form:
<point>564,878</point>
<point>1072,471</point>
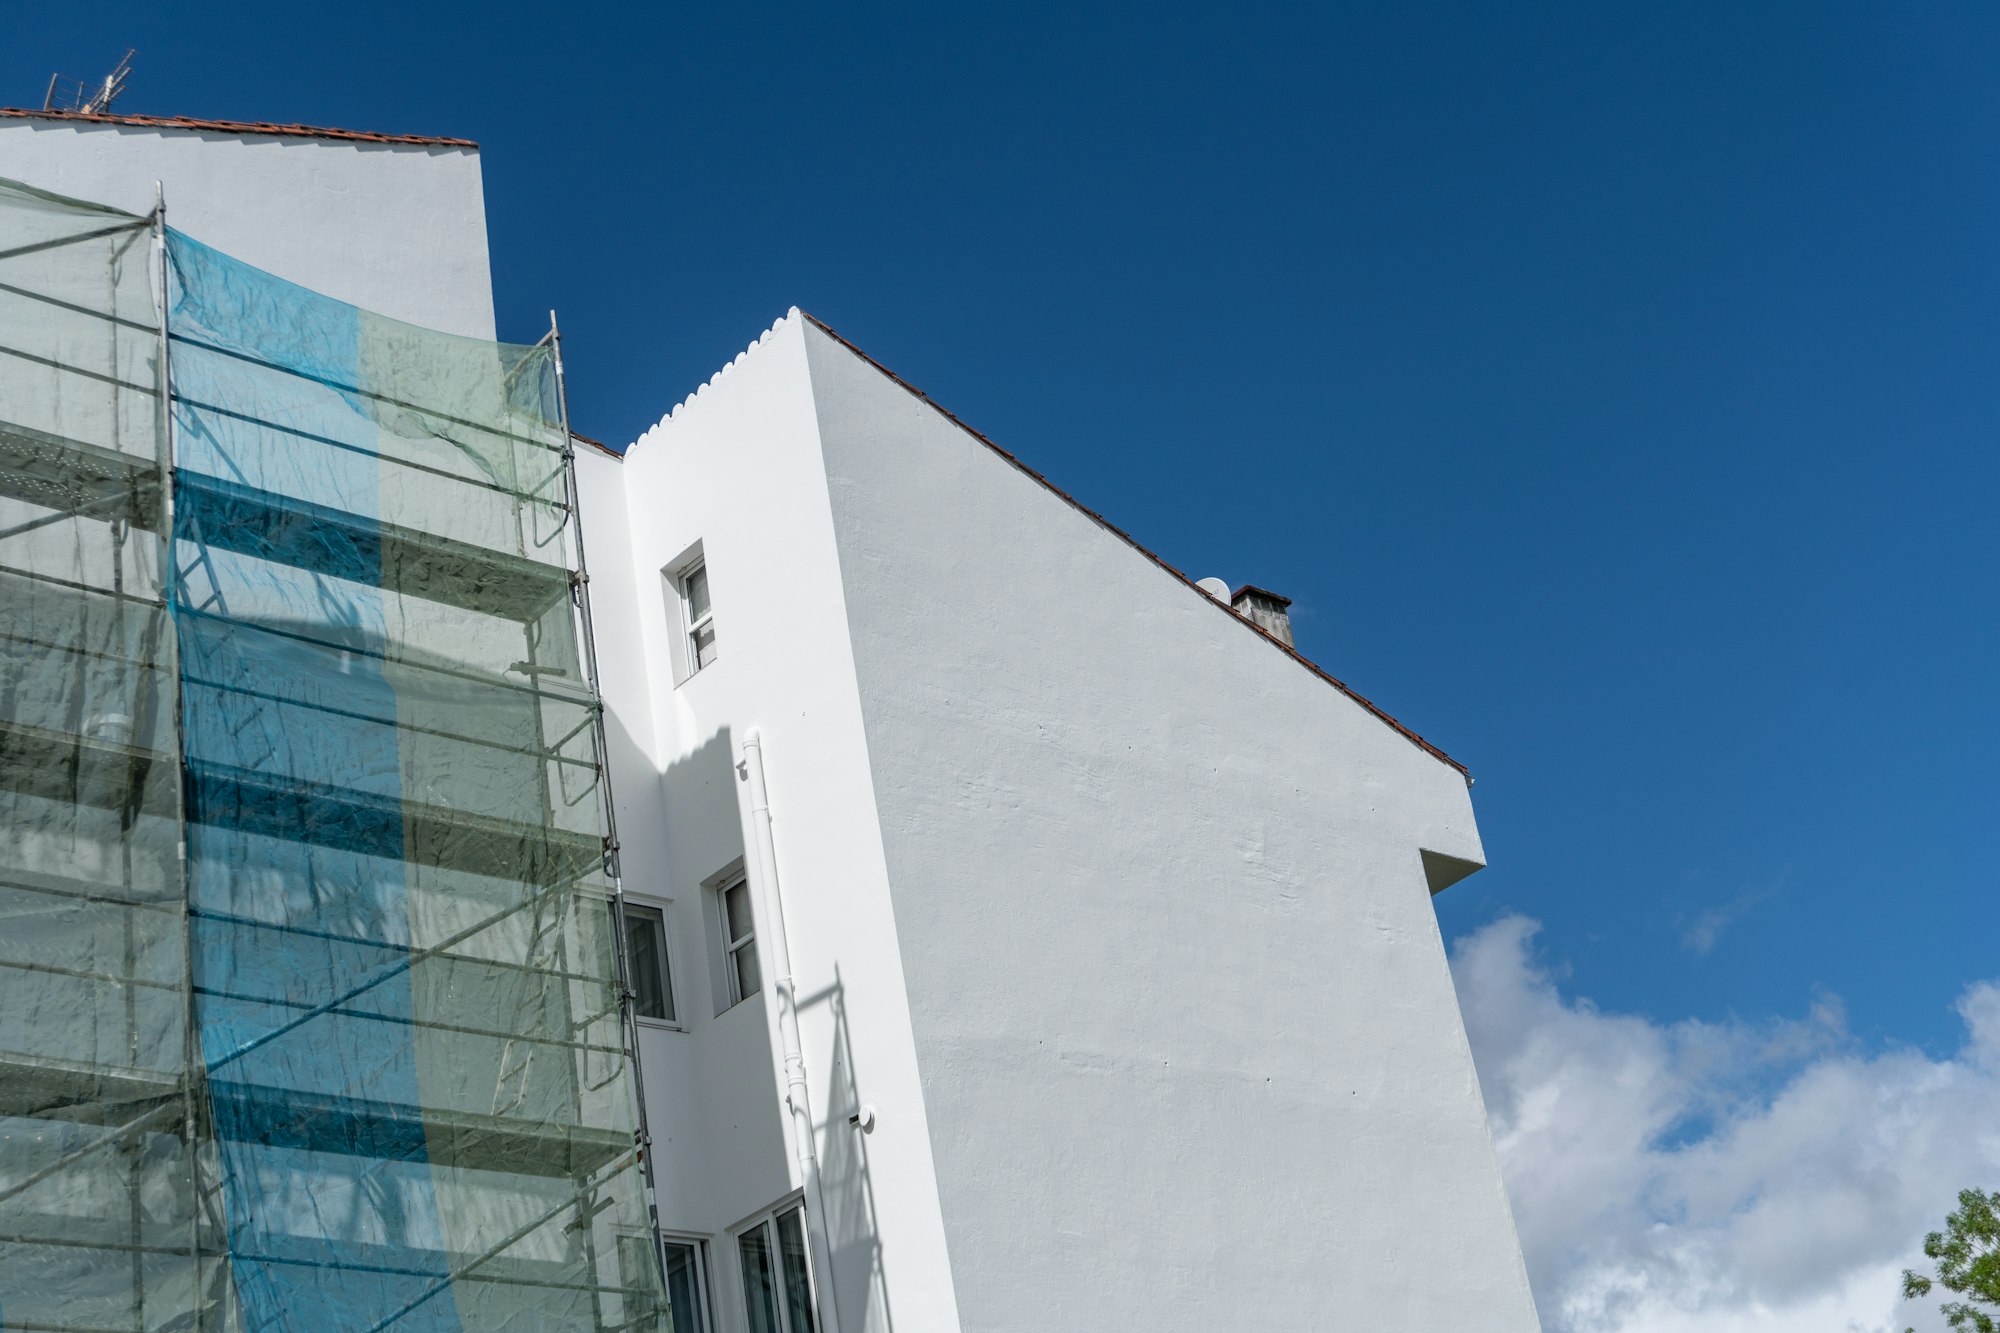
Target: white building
<point>1121,1003</point>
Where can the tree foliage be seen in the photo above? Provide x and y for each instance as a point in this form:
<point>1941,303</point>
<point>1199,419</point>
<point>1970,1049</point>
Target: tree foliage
<point>1967,1254</point>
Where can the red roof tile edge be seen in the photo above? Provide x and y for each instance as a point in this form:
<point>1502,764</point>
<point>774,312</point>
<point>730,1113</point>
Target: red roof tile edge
<point>598,445</point>
<point>1133,542</point>
<point>235,127</point>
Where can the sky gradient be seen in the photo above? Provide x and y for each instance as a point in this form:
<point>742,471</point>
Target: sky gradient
<point>1611,387</point>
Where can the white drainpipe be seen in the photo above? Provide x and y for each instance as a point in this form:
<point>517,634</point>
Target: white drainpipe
<point>778,958</point>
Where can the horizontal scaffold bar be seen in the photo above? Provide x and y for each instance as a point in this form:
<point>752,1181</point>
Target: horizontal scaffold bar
<point>72,477</point>
<point>284,806</point>
<point>386,1131</point>
<point>69,476</point>
<point>81,770</point>
<point>288,531</point>
<point>106,775</point>
<point>74,1092</point>
<point>35,1088</point>
<point>543,443</point>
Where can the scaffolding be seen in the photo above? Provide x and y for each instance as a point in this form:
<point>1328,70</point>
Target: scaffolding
<point>312,1011</point>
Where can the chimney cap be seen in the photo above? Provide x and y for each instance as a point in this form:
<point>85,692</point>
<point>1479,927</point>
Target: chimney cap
<point>1252,590</point>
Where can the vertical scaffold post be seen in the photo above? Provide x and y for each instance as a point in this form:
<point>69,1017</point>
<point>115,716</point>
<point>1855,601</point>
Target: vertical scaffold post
<point>190,1037</point>
<point>627,1014</point>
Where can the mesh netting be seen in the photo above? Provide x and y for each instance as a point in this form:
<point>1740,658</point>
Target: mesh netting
<point>354,1059</point>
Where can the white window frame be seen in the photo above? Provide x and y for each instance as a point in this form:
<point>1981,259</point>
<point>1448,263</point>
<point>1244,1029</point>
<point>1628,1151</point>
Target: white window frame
<point>768,1220</point>
<point>732,946</point>
<point>703,1275</point>
<point>687,651</point>
<point>665,908</point>
<point>703,1270</point>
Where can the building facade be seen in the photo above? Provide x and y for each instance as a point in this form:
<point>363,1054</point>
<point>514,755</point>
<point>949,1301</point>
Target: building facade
<point>998,958</point>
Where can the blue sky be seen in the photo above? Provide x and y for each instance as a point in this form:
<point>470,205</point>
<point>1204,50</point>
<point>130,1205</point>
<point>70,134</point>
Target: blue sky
<point>1613,387</point>
<point>1614,391</point>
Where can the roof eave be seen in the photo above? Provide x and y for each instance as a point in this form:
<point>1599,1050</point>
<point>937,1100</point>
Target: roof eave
<point>258,127</point>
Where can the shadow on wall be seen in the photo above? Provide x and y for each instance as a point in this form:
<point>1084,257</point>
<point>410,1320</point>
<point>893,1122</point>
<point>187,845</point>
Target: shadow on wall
<point>738,1148</point>
<point>844,1182</point>
<point>718,1117</point>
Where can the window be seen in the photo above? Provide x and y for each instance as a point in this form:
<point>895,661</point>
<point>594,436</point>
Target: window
<point>686,1295</point>
<point>651,970</point>
<point>777,1273</point>
<point>697,616</point>
<point>739,939</point>
<point>687,1287</point>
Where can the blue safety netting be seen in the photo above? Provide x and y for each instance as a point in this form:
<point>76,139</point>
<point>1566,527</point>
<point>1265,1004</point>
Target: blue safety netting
<point>301,764</point>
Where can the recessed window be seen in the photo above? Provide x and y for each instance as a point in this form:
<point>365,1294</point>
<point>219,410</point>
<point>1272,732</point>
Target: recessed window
<point>697,616</point>
<point>651,967</point>
<point>686,1309</point>
<point>739,939</point>
<point>777,1273</point>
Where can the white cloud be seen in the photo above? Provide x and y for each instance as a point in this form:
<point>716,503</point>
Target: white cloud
<point>1721,1177</point>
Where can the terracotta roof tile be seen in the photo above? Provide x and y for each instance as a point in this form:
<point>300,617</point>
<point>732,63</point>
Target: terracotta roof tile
<point>598,445</point>
<point>236,127</point>
<point>1129,540</point>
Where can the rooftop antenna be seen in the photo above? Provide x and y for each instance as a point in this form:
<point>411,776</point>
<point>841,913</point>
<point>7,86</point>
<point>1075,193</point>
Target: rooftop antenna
<point>67,94</point>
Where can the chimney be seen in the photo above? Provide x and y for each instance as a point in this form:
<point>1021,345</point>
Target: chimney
<point>1264,609</point>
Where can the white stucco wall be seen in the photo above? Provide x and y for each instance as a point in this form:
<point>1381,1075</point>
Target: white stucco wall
<point>738,469</point>
<point>1190,1050</point>
<point>393,228</point>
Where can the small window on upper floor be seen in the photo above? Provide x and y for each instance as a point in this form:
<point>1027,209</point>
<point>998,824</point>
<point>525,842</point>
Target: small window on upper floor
<point>739,939</point>
<point>687,581</point>
<point>700,616</point>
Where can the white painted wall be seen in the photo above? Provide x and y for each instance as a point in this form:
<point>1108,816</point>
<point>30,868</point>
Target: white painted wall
<point>738,468</point>
<point>1156,1019</point>
<point>396,229</point>
<point>1190,1050</point>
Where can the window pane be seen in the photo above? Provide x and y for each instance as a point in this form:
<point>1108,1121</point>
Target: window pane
<point>760,1279</point>
<point>737,899</point>
<point>704,646</point>
<point>697,593</point>
<point>748,979</point>
<point>686,1303</point>
<point>798,1274</point>
<point>646,942</point>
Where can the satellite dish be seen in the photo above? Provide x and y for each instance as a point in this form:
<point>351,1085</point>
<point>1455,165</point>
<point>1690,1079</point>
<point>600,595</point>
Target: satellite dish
<point>1215,588</point>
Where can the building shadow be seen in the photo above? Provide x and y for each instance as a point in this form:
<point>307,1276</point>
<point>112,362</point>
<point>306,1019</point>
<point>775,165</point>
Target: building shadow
<point>847,1190</point>
<point>720,1137</point>
<point>734,1146</point>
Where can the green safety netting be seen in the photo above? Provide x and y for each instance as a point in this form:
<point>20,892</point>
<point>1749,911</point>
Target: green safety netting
<point>310,1011</point>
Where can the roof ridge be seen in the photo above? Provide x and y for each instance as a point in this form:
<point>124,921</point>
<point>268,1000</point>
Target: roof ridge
<point>236,127</point>
<point>1142,549</point>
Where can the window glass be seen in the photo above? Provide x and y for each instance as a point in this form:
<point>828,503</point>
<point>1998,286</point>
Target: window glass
<point>760,1279</point>
<point>748,978</point>
<point>797,1273</point>
<point>737,899</point>
<point>646,943</point>
<point>739,953</point>
<point>686,1303</point>
<point>689,596</point>
<point>697,592</point>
